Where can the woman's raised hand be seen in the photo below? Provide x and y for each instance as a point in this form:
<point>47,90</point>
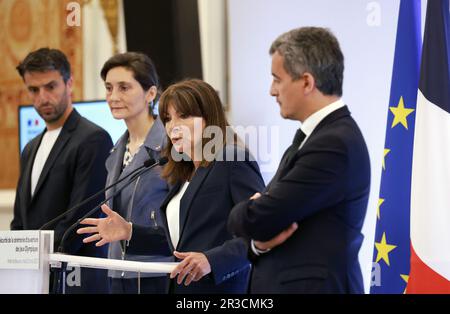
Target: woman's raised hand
<point>106,230</point>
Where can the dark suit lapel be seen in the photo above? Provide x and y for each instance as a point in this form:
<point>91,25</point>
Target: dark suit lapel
<point>278,172</point>
<point>193,188</point>
<point>56,150</point>
<point>172,192</point>
<point>333,116</point>
<point>25,197</point>
<point>62,140</point>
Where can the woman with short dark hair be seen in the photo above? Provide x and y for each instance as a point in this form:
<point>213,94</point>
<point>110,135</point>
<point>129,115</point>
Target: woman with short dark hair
<point>132,89</point>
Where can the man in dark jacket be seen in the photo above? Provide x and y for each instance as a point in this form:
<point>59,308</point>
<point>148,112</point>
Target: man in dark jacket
<point>61,166</point>
<point>305,228</point>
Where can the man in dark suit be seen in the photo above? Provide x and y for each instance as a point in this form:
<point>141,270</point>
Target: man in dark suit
<point>305,228</point>
<point>63,165</point>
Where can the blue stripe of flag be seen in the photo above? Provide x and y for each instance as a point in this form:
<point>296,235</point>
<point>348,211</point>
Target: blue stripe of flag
<point>395,187</point>
<point>435,71</point>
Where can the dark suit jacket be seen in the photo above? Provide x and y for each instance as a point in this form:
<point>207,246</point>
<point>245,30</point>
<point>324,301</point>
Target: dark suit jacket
<point>74,170</point>
<point>204,211</point>
<point>325,188</point>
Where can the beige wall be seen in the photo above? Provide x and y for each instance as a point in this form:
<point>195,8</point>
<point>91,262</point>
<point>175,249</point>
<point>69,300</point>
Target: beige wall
<point>25,26</point>
<point>5,219</point>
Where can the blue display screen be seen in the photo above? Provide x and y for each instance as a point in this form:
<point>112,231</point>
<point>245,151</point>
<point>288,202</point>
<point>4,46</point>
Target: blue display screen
<point>31,124</point>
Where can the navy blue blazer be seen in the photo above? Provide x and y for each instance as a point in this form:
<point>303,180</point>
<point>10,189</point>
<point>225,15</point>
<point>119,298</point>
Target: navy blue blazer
<point>204,211</point>
<point>325,189</point>
<point>140,201</point>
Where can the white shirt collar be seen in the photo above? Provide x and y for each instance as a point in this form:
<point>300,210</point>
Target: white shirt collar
<point>313,120</point>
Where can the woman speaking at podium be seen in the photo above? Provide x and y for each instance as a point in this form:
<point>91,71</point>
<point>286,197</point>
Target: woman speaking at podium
<point>208,180</point>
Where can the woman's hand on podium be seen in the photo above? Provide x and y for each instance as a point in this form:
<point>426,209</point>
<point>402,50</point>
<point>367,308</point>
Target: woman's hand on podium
<point>106,230</point>
<point>193,267</point>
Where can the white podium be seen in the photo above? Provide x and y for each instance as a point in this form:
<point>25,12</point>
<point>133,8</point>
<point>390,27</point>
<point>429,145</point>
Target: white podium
<point>24,261</point>
<point>26,258</point>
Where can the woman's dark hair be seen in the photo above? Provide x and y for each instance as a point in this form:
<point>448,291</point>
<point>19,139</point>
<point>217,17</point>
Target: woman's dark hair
<point>143,68</point>
<point>194,98</point>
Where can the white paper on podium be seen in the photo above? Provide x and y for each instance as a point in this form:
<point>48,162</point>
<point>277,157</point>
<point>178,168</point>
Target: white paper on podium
<point>19,249</point>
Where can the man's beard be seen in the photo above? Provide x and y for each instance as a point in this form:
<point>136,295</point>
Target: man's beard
<point>57,112</point>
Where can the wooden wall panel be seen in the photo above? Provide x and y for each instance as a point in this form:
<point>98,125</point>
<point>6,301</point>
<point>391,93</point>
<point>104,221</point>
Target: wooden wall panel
<point>26,25</point>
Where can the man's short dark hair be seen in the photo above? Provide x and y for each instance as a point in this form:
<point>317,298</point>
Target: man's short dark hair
<point>314,50</point>
<point>43,60</point>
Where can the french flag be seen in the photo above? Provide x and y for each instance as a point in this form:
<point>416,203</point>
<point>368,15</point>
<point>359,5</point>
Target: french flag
<point>430,180</point>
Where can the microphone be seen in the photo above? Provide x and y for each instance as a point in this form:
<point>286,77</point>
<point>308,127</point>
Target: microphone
<point>147,166</point>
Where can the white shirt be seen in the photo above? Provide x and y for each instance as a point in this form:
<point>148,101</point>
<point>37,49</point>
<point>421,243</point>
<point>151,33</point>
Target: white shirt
<point>173,215</point>
<point>48,140</point>
<point>313,120</point>
<point>308,127</point>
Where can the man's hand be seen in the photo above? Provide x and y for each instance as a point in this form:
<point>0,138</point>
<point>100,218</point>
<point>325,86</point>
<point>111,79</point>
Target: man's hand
<point>278,239</point>
<point>255,196</point>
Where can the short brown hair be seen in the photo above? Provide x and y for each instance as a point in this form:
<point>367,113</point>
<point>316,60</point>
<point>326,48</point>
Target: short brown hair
<point>195,98</point>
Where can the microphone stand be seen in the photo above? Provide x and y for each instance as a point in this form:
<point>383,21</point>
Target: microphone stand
<point>59,281</point>
<point>93,210</point>
<point>76,206</point>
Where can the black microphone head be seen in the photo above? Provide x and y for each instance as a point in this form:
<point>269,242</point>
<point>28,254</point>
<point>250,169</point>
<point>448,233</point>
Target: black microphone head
<point>163,161</point>
<point>149,162</point>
